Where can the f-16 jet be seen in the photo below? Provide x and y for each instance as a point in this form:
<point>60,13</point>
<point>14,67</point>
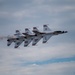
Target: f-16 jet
<point>38,36</point>
<point>46,34</point>
<point>17,38</point>
<point>27,37</point>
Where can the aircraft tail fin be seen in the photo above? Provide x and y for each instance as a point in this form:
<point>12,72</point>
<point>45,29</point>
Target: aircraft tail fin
<point>27,31</point>
<point>35,30</point>
<point>17,32</point>
<point>46,28</point>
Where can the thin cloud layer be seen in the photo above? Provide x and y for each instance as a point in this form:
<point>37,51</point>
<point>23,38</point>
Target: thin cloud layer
<point>26,60</point>
<point>57,57</point>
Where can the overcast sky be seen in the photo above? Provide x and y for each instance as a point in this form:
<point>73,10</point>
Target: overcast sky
<point>57,56</point>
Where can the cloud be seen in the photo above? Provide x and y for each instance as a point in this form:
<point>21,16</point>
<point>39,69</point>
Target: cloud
<point>66,68</point>
<point>36,54</point>
<point>34,60</point>
<point>37,8</point>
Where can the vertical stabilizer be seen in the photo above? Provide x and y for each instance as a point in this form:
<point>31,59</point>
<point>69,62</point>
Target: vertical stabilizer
<point>35,30</point>
<point>17,32</point>
<point>27,31</point>
<point>46,28</point>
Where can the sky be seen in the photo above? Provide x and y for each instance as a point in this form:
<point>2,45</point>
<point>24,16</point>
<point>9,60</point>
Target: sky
<point>57,56</point>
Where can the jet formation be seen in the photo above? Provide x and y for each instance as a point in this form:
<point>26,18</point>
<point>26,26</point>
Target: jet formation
<point>27,37</point>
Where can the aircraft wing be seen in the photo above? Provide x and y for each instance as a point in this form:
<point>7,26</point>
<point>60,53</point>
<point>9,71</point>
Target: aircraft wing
<point>9,41</point>
<point>18,43</point>
<point>27,41</point>
<point>36,40</point>
<point>46,38</point>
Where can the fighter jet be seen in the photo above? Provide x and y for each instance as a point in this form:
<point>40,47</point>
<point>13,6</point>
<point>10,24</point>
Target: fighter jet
<point>46,34</point>
<point>38,36</point>
<point>17,38</point>
<point>28,37</point>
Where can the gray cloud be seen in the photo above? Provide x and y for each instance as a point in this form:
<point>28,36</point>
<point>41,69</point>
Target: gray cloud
<point>20,14</point>
<point>34,54</point>
<point>66,68</point>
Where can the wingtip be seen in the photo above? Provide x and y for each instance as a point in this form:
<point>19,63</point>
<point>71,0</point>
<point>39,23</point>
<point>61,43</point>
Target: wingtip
<point>33,44</point>
<point>44,41</point>
<point>16,47</point>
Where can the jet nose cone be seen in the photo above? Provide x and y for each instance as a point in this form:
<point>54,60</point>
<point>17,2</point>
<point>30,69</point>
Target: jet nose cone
<point>65,31</point>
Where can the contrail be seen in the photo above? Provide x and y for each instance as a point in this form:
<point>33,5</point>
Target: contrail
<point>6,37</point>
